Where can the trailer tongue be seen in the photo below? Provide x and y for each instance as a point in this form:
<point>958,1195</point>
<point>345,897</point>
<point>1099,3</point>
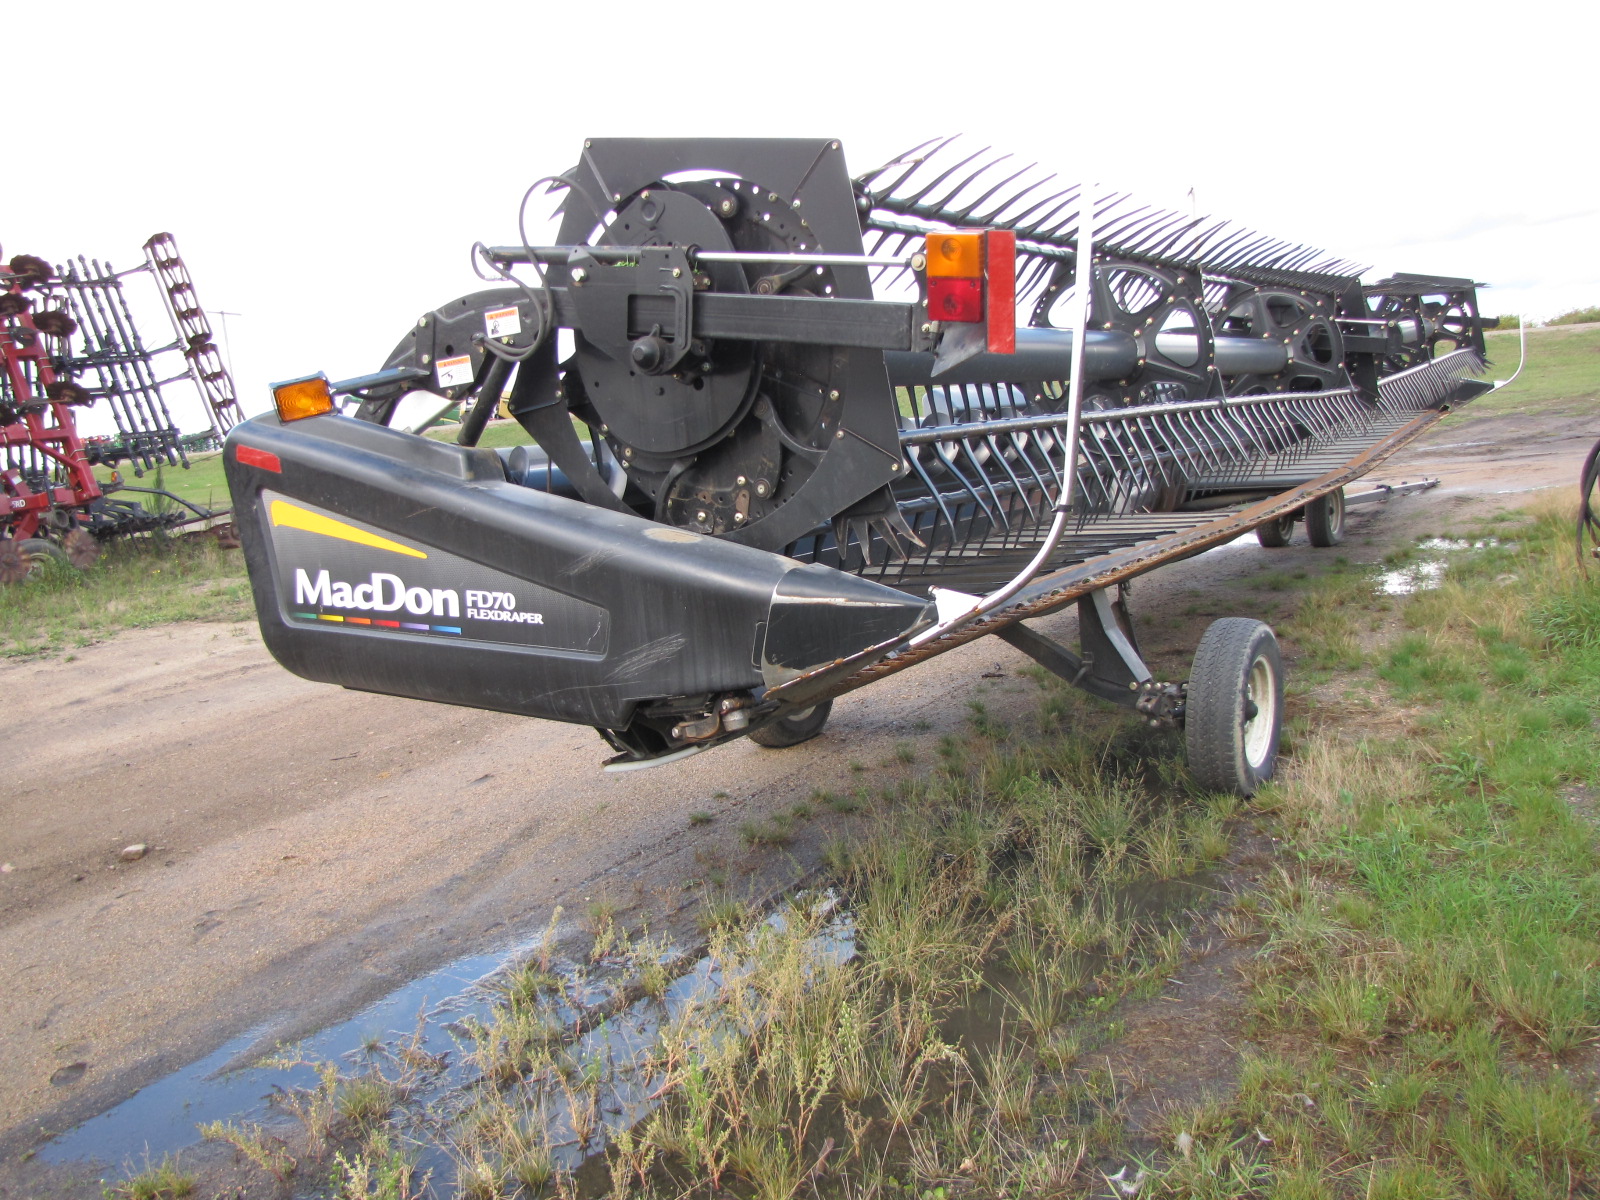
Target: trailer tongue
<point>786,487</point>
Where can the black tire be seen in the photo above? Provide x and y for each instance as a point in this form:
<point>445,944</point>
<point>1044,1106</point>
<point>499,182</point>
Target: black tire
<point>24,559</point>
<point>1325,519</point>
<point>1275,534</point>
<point>794,728</point>
<point>1237,672</point>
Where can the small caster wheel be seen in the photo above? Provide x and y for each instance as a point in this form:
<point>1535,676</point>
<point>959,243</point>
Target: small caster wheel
<point>1325,519</point>
<point>1233,713</point>
<point>1275,534</point>
<point>794,728</point>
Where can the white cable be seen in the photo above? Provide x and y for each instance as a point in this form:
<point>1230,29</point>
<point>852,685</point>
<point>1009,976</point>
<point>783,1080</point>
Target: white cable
<point>1084,281</point>
<point>1522,353</point>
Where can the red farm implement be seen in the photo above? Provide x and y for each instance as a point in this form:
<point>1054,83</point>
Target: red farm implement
<point>68,341</point>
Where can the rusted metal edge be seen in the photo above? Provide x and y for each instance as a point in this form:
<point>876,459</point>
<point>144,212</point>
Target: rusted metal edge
<point>1051,592</point>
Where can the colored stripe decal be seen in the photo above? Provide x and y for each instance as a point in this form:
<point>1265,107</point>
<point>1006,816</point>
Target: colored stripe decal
<point>292,516</point>
<point>328,617</point>
<point>358,620</point>
<point>447,629</point>
<point>388,624</point>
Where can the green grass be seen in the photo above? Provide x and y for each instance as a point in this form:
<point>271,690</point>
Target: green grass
<point>1562,373</point>
<point>202,482</point>
<point>497,434</point>
<point>1438,930</point>
<point>137,583</point>
<point>1576,316</point>
<point>162,1182</point>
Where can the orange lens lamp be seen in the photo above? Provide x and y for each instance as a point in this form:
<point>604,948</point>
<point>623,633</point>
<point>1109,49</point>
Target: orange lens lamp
<point>298,398</point>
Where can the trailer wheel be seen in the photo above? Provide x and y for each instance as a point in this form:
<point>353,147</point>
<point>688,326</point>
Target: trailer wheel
<point>1233,713</point>
<point>1275,534</point>
<point>1325,519</point>
<point>795,728</point>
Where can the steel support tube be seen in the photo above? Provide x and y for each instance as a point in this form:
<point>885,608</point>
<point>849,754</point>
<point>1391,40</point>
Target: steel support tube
<point>1041,354</point>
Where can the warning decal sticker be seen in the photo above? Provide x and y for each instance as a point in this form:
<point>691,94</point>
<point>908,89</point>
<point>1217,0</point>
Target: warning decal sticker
<point>502,322</point>
<point>454,372</point>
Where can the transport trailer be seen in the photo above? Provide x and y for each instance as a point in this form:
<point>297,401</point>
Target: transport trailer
<point>790,437</point>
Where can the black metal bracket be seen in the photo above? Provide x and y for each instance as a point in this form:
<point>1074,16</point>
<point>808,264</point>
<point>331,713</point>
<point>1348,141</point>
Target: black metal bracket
<point>604,293</point>
<point>1110,665</point>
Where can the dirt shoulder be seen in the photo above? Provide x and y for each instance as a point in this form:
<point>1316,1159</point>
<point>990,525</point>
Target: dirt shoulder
<point>313,848</point>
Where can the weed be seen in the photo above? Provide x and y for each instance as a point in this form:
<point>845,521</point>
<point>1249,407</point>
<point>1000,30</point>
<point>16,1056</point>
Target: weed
<point>379,1171</point>
<point>843,802</point>
<point>776,830</point>
<point>702,817</point>
<point>365,1101</point>
<point>262,1149</point>
<point>162,1182</point>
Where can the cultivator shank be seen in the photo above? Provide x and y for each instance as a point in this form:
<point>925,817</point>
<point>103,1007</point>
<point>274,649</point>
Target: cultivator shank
<point>827,373</point>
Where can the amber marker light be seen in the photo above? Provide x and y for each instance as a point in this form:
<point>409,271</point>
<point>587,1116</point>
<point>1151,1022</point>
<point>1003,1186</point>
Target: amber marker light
<point>309,397</point>
<point>955,254</point>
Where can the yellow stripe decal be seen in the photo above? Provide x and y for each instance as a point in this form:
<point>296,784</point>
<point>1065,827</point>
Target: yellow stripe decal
<point>291,516</point>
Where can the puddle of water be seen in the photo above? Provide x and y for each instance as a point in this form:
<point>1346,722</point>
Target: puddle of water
<point>161,1118</point>
<point>609,1078</point>
<point>1419,577</point>
<point>1429,573</point>
<point>579,1126</point>
<point>1438,543</point>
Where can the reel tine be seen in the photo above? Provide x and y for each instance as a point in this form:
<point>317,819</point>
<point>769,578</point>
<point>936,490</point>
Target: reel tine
<point>1042,231</point>
<point>915,165</point>
<point>941,205</point>
<point>1016,220</point>
<point>1163,248</point>
<point>911,159</point>
<point>966,212</point>
<point>992,217</point>
<point>865,179</point>
<point>912,200</point>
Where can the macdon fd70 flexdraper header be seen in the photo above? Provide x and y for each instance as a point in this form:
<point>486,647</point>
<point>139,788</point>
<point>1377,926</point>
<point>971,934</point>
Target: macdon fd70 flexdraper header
<point>756,486</point>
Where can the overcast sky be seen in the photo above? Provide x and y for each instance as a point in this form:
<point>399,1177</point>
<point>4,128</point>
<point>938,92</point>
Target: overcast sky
<point>325,167</point>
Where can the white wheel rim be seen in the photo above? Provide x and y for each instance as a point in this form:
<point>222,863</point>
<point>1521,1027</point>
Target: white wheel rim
<point>1261,689</point>
<point>797,717</point>
<point>1336,510</point>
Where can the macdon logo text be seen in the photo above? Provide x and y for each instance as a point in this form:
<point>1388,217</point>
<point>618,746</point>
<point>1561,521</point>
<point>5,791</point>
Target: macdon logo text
<point>384,592</point>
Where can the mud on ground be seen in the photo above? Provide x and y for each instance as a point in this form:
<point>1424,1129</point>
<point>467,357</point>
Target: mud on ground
<point>312,848</point>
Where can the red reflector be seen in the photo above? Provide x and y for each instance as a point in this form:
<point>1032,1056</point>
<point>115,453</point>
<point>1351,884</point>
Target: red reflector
<point>955,299</point>
<point>1000,296</point>
<point>251,457</point>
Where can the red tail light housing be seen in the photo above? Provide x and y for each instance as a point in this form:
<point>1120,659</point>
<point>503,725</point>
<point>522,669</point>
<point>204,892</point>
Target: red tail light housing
<point>972,279</point>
